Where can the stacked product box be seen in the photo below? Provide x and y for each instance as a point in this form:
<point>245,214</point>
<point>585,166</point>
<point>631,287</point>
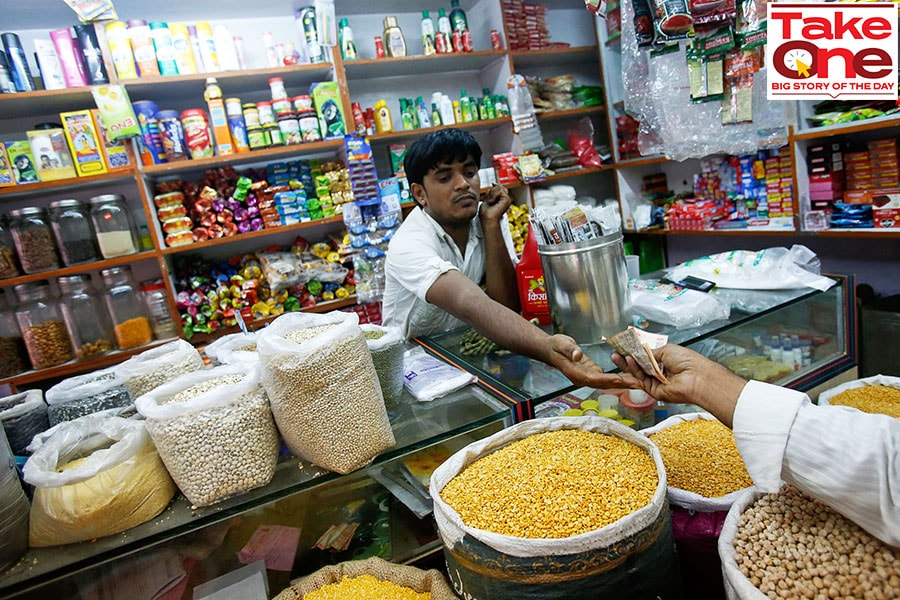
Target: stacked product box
<point>779,184</point>
<point>877,167</point>
<point>825,167</point>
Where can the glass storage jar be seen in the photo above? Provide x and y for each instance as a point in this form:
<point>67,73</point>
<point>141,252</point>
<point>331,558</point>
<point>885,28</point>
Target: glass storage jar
<point>126,307</point>
<point>158,308</point>
<point>9,264</point>
<point>116,234</point>
<point>42,326</point>
<point>74,233</point>
<point>13,358</point>
<point>34,240</point>
<point>86,317</point>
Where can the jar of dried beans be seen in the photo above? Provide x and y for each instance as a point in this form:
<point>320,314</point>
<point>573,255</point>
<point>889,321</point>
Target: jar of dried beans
<point>13,359</point>
<point>42,326</point>
<point>34,240</point>
<point>71,222</point>
<point>86,317</point>
<point>126,307</point>
<point>9,264</point>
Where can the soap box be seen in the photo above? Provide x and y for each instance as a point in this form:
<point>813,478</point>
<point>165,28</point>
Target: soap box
<point>84,142</point>
<point>327,100</point>
<point>51,153</point>
<point>22,161</point>
<point>6,172</point>
<point>115,154</point>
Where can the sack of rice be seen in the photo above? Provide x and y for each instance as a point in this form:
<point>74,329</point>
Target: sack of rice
<point>94,477</point>
<point>233,348</point>
<point>323,389</point>
<point>788,545</point>
<point>86,394</point>
<point>214,432</point>
<point>386,346</point>
<point>705,474</point>
<point>24,415</point>
<point>152,368</point>
<point>557,508</point>
<point>371,579</point>
<point>14,517</point>
<point>879,394</point>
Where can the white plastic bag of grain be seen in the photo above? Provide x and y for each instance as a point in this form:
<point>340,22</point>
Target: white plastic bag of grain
<point>214,431</point>
<point>737,587</point>
<point>428,378</point>
<point>94,477</point>
<point>23,415</point>
<point>126,412</point>
<point>684,498</point>
<point>882,405</point>
<point>152,368</point>
<point>86,394</point>
<point>233,348</point>
<point>323,389</point>
<point>386,346</point>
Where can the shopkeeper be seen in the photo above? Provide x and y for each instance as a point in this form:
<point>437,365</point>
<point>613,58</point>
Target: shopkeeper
<point>451,262</point>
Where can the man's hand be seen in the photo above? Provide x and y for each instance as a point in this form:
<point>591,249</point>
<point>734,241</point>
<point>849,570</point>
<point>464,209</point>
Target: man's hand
<point>494,204</point>
<point>566,356</point>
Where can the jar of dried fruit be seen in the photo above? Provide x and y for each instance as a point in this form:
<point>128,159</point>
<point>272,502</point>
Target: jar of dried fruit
<point>126,307</point>
<point>13,358</point>
<point>87,319</point>
<point>41,323</point>
<point>34,239</point>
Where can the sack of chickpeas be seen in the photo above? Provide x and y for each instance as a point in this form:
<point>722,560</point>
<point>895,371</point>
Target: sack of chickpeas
<point>214,432</point>
<point>369,578</point>
<point>787,545</point>
<point>94,477</point>
<point>386,346</point>
<point>706,474</point>
<point>879,394</point>
<point>324,390</point>
<point>557,508</point>
<point>86,394</point>
<point>152,368</point>
<point>233,348</point>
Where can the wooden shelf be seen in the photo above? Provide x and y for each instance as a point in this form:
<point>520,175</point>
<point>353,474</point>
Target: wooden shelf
<point>718,232</point>
<point>435,64</point>
<point>309,150</point>
<point>554,56</point>
<point>644,160</point>
<point>570,113</point>
<point>65,185</point>
<point>20,104</point>
<point>251,235</point>
<point>82,268</point>
<point>859,233</point>
<point>885,122</point>
<point>407,134</point>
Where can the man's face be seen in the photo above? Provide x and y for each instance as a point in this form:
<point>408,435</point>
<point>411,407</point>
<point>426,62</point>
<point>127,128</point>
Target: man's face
<point>450,192</point>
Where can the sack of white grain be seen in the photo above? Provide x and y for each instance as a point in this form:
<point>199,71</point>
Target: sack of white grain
<point>233,348</point>
<point>214,432</point>
<point>152,368</point>
<point>86,394</point>
<point>15,507</point>
<point>787,545</point>
<point>386,346</point>
<point>94,477</point>
<point>23,415</point>
<point>369,578</point>
<point>879,394</point>
<point>705,475</point>
<point>557,508</point>
<point>323,389</point>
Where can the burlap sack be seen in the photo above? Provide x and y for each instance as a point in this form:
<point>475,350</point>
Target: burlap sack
<point>416,579</point>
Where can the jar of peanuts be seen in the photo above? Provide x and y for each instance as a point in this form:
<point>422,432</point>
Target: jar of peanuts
<point>125,302</point>
<point>42,326</point>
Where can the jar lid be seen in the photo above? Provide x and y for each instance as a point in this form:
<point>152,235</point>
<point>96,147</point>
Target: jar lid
<point>123,269</point>
<point>152,286</point>
<point>573,412</point>
<point>27,211</point>
<point>107,198</point>
<point>249,106</point>
<point>263,103</point>
<point>276,80</point>
<point>167,114</point>
<point>136,22</point>
<point>67,203</point>
<point>32,286</point>
<point>284,115</point>
<point>66,280</point>
<point>193,112</point>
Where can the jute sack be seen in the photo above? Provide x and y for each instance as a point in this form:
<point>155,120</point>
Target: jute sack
<point>416,579</point>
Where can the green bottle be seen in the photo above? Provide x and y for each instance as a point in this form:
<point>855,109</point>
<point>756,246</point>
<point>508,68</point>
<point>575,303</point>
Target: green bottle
<point>435,116</point>
<point>405,115</point>
<point>348,46</point>
<point>465,107</point>
<point>458,17</point>
<point>488,101</point>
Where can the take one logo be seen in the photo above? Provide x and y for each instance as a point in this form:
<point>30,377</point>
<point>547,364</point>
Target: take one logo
<point>832,50</point>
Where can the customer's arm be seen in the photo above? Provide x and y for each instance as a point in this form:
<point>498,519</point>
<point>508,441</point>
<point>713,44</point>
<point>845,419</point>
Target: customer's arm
<point>500,273</point>
<point>461,297</point>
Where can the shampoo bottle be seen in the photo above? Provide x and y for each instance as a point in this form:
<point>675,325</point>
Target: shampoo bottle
<point>428,47</point>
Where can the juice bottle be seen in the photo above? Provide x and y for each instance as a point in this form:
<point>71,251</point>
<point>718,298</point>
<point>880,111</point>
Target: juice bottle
<point>530,278</point>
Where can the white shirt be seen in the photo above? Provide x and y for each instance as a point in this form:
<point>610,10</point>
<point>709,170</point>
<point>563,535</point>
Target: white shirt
<point>848,459</point>
<point>419,253</point>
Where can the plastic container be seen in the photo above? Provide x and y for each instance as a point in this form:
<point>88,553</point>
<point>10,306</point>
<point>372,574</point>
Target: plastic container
<point>164,48</point>
<point>34,239</point>
<point>157,302</point>
<point>42,326</point>
<point>9,262</point>
<point>142,46</point>
<point>125,302</point>
<point>13,357</point>
<point>86,317</point>
<point>116,233</point>
<point>394,42</point>
<point>74,232</point>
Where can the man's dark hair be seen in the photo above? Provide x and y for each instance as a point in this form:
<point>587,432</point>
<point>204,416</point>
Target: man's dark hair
<point>438,147</point>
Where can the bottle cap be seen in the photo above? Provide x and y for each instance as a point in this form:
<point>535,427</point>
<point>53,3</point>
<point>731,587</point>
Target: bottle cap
<point>344,22</point>
<point>441,12</point>
<point>573,412</point>
<point>424,14</point>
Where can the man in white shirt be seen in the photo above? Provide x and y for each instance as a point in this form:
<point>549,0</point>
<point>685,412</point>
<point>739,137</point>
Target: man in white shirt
<point>453,242</point>
<point>848,459</point>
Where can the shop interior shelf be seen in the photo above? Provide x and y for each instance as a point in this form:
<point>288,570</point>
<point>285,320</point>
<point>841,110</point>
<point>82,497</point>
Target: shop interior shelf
<point>50,101</point>
<point>570,113</point>
<point>421,65</point>
<point>410,134</point>
<point>82,268</point>
<point>65,185</point>
<point>554,56</point>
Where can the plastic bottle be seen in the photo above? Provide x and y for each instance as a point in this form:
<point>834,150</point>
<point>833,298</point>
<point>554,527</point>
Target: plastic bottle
<point>488,101</point>
<point>428,47</point>
<point>164,48</point>
<point>423,113</point>
<point>530,279</point>
<point>465,107</point>
<point>383,121</point>
<point>394,42</point>
<point>405,116</point>
<point>457,112</point>
<point>445,30</point>
<point>207,45</point>
<point>448,114</point>
<point>218,118</point>
<point>435,115</point>
<point>228,58</point>
<point>142,46</point>
<point>181,42</point>
<point>348,46</point>
<point>458,17</point>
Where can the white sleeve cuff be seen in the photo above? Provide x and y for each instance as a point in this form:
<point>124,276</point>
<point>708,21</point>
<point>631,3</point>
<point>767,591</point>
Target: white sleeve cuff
<point>762,421</point>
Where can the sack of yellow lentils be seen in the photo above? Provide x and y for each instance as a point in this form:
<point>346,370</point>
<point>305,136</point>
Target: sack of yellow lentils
<point>93,477</point>
<point>879,394</point>
<point>557,508</point>
<point>372,579</point>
